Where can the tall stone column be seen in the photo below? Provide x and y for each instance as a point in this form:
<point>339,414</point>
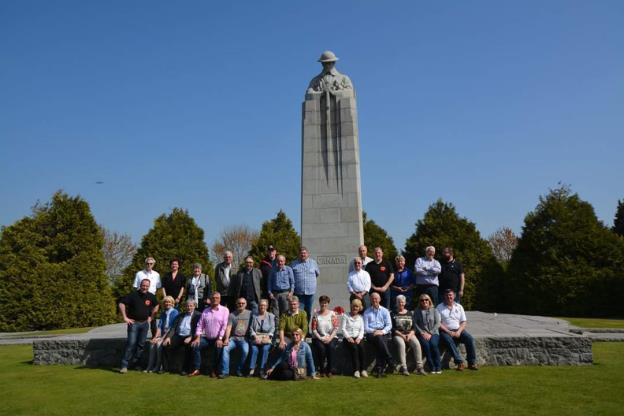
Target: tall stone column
<point>331,203</point>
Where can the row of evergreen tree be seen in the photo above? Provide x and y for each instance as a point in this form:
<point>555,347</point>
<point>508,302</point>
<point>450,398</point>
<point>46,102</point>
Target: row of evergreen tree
<point>52,270</point>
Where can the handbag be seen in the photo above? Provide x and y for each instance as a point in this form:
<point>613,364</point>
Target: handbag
<point>263,338</point>
<point>300,373</point>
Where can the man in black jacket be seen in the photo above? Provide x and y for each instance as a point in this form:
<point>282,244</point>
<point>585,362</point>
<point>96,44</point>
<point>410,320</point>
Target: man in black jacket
<point>224,272</point>
<point>266,265</point>
<point>180,336</point>
<point>246,284</point>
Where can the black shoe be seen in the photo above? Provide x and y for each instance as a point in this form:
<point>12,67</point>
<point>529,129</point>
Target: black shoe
<point>262,374</point>
<point>222,376</point>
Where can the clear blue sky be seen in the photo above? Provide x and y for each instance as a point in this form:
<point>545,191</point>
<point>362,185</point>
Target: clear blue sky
<point>196,104</point>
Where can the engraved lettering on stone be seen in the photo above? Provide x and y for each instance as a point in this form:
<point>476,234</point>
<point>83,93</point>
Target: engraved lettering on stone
<point>331,260</point>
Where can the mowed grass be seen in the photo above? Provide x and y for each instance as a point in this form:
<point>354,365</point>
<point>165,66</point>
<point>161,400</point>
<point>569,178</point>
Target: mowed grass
<point>596,323</point>
<point>67,390</point>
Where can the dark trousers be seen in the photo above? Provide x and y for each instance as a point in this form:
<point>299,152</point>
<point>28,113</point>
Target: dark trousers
<point>177,355</point>
<point>214,356</point>
<point>382,351</point>
<point>282,372</point>
<point>357,355</point>
<point>227,301</point>
<point>431,290</point>
<point>137,334</point>
<point>324,352</point>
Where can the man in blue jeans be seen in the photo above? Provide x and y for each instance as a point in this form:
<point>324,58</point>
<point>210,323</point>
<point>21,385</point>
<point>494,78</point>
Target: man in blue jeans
<point>138,310</point>
<point>453,331</point>
<point>236,337</point>
<point>306,272</point>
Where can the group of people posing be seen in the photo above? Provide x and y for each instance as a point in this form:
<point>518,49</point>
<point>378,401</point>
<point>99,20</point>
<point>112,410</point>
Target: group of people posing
<point>257,311</point>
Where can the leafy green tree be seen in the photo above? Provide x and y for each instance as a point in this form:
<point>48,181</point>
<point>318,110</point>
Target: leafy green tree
<point>52,270</point>
<point>375,236</point>
<point>618,221</point>
<point>175,235</point>
<point>566,262</point>
<point>443,227</point>
<point>280,233</point>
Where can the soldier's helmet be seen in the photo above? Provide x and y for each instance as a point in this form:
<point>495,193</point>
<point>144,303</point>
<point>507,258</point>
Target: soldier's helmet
<point>328,56</point>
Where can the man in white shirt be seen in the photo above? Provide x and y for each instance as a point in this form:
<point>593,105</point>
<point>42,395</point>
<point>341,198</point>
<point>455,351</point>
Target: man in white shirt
<point>453,331</point>
<point>359,282</point>
<point>148,273</point>
<point>363,255</point>
<point>427,270</point>
<point>154,278</point>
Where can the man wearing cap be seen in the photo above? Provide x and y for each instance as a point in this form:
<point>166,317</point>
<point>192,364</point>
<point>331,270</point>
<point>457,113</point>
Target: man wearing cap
<point>266,265</point>
<point>329,80</point>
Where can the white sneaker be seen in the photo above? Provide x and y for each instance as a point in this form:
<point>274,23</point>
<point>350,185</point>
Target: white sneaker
<point>364,374</point>
<point>356,374</point>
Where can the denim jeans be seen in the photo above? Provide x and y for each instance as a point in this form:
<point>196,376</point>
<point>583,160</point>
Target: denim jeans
<point>203,344</point>
<point>225,359</point>
<point>464,338</point>
<point>137,334</point>
<point>431,351</point>
<point>307,301</point>
<point>265,348</point>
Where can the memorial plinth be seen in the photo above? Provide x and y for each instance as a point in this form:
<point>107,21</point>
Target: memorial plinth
<point>331,203</point>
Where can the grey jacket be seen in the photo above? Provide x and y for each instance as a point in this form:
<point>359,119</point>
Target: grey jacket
<point>204,289</point>
<point>427,320</point>
<point>223,284</point>
<point>260,325</point>
<point>237,282</point>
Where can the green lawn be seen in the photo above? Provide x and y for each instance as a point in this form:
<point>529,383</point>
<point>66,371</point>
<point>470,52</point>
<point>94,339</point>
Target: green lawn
<point>596,323</point>
<point>67,390</point>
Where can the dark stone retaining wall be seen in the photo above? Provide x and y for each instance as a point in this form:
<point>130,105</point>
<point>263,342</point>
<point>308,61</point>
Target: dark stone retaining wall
<point>565,350</point>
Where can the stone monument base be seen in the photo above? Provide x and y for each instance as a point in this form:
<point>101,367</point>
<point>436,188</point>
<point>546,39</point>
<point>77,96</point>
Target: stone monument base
<point>500,340</point>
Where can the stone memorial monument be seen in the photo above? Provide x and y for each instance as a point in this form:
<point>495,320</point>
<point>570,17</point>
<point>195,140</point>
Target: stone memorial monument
<point>331,203</point>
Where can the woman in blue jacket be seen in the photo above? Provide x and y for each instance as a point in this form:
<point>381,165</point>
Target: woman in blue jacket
<point>295,363</point>
<point>167,317</point>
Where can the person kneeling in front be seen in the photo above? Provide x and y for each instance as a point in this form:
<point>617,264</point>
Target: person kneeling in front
<point>295,362</point>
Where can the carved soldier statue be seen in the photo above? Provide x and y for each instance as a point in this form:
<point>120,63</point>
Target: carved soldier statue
<point>330,80</point>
